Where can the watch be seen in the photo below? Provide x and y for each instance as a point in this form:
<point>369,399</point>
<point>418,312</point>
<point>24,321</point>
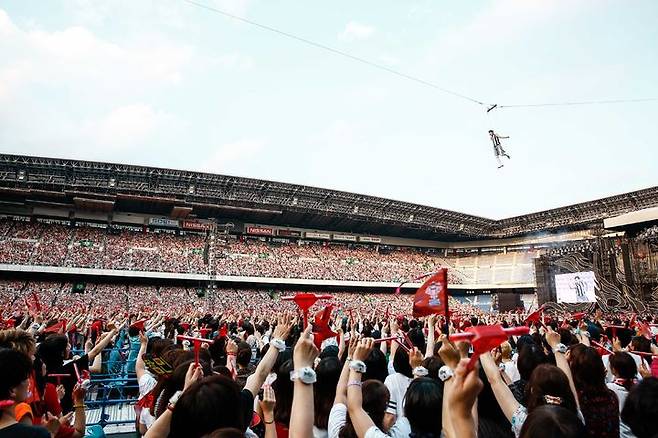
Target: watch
<point>358,365</point>
<point>560,348</point>
<point>174,398</point>
<point>445,373</point>
<point>420,372</point>
<point>305,375</point>
<point>279,344</point>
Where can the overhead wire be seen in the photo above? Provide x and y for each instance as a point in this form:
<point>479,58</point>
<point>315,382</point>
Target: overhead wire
<point>583,102</point>
<point>336,52</point>
<point>489,106</point>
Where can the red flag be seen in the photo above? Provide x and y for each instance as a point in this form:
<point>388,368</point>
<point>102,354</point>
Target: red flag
<point>321,329</point>
<point>32,303</point>
<point>432,296</point>
<point>534,316</point>
<point>56,328</point>
<point>305,300</point>
<point>139,325</point>
<point>578,316</point>
<point>485,338</point>
<point>643,329</point>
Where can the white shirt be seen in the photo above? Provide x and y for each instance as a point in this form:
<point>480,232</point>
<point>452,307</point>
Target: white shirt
<point>397,385</point>
<point>512,371</point>
<point>621,393</point>
<point>337,419</point>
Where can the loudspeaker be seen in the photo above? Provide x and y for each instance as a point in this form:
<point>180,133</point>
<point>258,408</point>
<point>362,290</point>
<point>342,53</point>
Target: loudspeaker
<point>509,301</point>
<point>543,279</point>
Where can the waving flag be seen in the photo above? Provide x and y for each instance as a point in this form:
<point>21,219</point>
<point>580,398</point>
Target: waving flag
<point>432,296</point>
<point>535,316</point>
<point>321,329</point>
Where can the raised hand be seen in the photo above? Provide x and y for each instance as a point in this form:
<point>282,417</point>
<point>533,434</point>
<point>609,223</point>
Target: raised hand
<point>415,358</point>
<point>305,350</point>
<point>194,373</point>
<point>448,352</point>
<point>363,349</point>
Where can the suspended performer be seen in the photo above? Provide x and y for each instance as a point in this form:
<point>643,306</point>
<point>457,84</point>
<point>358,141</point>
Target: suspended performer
<point>498,148</point>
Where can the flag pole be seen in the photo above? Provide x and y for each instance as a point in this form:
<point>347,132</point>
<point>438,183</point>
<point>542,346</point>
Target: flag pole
<point>446,312</point>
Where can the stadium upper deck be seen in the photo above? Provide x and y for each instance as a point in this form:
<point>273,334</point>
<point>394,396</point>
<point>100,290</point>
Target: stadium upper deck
<point>27,181</point>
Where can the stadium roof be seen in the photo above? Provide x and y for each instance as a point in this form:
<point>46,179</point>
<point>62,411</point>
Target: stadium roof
<point>26,180</point>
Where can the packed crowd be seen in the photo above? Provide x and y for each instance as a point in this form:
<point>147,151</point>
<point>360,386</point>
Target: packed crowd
<point>250,368</point>
<point>36,243</point>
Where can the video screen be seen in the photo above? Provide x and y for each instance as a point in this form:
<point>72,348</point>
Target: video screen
<point>578,287</point>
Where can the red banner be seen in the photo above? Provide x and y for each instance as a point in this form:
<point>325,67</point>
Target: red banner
<point>196,225</point>
<point>261,231</point>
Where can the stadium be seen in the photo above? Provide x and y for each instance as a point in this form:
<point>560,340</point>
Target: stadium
<point>80,224</point>
<point>85,241</point>
<point>259,219</point>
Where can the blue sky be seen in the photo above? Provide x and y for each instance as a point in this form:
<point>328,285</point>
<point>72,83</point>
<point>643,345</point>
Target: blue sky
<point>164,83</point>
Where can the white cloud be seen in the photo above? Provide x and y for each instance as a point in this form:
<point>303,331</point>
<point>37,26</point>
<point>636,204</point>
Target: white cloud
<point>235,61</point>
<point>356,31</point>
<point>89,96</point>
<point>229,155</point>
<point>126,125</point>
<point>503,20</point>
<point>235,7</point>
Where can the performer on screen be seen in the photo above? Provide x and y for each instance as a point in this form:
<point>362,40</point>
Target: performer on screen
<point>498,148</point>
<point>581,289</point>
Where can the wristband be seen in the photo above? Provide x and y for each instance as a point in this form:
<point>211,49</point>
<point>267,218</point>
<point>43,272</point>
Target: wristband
<point>305,375</point>
<point>355,383</point>
<point>560,348</point>
<point>445,373</point>
<point>359,366</point>
<point>79,406</point>
<point>279,344</point>
<point>420,372</point>
<point>172,401</point>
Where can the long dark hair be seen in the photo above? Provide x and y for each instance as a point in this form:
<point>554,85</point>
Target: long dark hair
<point>170,384</point>
<point>587,369</point>
<point>375,401</point>
<point>208,405</point>
<point>283,390</point>
<point>422,407</point>
<point>551,421</point>
<point>324,390</point>
<point>549,385</point>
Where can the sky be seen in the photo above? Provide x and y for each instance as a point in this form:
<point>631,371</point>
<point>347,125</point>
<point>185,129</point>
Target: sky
<point>166,83</point>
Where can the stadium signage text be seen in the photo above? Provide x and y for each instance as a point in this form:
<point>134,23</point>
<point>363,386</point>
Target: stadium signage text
<point>368,239</point>
<point>163,222</point>
<point>196,225</point>
<point>261,231</point>
<point>314,235</point>
<point>345,237</point>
